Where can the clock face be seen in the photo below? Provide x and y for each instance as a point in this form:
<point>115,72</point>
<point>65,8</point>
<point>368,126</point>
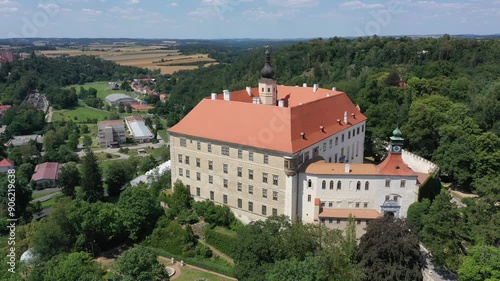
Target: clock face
<point>396,148</point>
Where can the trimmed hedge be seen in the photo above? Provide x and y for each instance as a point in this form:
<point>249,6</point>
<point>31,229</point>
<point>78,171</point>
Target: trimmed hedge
<point>221,240</point>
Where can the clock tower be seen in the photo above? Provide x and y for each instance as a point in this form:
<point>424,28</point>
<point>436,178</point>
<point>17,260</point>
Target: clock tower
<point>396,144</point>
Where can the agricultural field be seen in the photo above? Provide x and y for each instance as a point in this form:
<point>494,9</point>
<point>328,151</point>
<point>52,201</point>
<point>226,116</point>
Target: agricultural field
<point>151,57</point>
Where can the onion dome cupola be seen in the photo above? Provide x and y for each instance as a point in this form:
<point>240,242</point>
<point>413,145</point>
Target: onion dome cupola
<point>396,141</point>
<point>267,71</point>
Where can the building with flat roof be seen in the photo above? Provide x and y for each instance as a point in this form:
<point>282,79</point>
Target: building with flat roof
<point>111,133</point>
<point>47,173</point>
<point>116,99</point>
<point>277,149</point>
<point>138,129</point>
<point>24,140</point>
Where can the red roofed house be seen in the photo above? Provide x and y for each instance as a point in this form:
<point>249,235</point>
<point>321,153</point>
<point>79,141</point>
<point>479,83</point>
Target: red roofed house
<point>255,150</point>
<point>46,173</point>
<point>6,165</point>
<point>4,108</point>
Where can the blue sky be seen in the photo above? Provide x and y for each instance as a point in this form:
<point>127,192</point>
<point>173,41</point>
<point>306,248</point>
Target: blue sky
<point>245,18</point>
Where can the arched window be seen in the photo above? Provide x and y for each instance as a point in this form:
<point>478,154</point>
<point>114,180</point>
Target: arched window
<point>367,185</point>
<point>323,185</point>
<point>358,186</point>
<point>309,183</point>
<point>331,184</point>
<point>339,185</point>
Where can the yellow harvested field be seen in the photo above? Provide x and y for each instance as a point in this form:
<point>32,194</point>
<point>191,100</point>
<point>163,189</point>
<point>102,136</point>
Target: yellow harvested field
<point>149,57</point>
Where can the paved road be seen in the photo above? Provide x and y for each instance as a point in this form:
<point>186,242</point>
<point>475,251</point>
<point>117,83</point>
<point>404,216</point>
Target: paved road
<point>45,198</point>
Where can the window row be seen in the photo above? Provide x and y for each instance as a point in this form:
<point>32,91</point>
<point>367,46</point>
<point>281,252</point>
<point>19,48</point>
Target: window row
<point>339,220</point>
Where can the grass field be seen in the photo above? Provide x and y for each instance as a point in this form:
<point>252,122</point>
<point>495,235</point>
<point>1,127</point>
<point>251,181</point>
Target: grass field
<point>103,90</point>
<point>43,193</point>
<point>79,114</point>
<point>141,56</point>
<point>191,274</point>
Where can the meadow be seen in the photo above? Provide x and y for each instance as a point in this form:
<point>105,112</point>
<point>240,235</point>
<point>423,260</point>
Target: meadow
<point>79,114</point>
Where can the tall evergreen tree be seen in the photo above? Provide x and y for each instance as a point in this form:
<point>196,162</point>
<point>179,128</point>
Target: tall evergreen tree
<point>91,182</point>
<point>69,178</point>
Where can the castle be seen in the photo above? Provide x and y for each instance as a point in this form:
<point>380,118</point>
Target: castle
<point>291,150</point>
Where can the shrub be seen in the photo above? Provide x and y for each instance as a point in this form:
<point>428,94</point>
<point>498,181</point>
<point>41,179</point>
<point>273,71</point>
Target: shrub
<point>220,239</point>
<point>169,238</point>
<point>203,251</point>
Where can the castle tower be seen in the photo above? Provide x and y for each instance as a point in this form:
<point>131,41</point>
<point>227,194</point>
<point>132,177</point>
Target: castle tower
<point>267,85</point>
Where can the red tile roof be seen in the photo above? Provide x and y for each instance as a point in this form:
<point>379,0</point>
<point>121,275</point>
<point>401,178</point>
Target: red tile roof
<point>393,165</point>
<point>140,107</point>
<point>110,123</point>
<point>47,170</point>
<point>134,118</point>
<point>344,213</point>
<point>6,163</point>
<point>4,108</point>
<point>239,121</point>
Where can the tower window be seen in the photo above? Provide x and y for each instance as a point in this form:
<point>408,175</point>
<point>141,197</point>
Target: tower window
<point>367,185</point>
<point>358,186</point>
<point>323,185</point>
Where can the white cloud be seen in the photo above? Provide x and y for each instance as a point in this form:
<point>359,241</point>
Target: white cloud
<point>261,14</point>
<point>356,5</point>
<point>294,3</point>
<point>8,9</point>
<point>92,12</point>
<point>173,4</point>
<point>133,2</point>
<point>7,6</point>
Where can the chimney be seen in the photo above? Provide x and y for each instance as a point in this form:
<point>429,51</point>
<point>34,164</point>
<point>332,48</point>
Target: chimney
<point>322,128</point>
<point>214,96</point>
<point>303,135</point>
<point>304,85</point>
<point>227,95</point>
<point>347,168</point>
<point>315,88</point>
<point>334,89</point>
<point>281,103</point>
<point>345,118</point>
<point>353,115</point>
<point>249,91</point>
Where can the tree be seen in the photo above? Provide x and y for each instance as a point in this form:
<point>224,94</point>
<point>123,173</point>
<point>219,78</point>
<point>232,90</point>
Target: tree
<point>416,212</point>
<point>87,141</point>
<point>128,108</point>
<point>51,239</point>
<point>442,232</point>
<point>147,164</point>
<point>140,264</point>
<point>91,179</point>
<point>481,264</point>
<point>117,176</point>
<point>139,212</point>
<point>85,129</point>
<point>75,266</point>
<point>125,87</point>
<point>389,250</point>
<point>179,200</point>
<point>69,179</point>
<point>309,269</point>
<point>73,141</point>
<point>121,107</point>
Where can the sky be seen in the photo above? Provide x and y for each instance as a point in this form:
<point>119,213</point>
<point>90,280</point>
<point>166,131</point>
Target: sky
<point>270,19</point>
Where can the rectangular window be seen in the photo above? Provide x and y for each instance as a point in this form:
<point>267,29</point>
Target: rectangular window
<point>250,206</point>
<point>353,132</point>
<point>188,174</point>
<point>240,203</point>
<point>240,187</point>
<point>387,198</point>
<point>180,172</point>
<point>349,135</point>
<point>180,158</point>
<point>264,210</point>
<point>209,147</point>
<point>264,192</point>
<point>240,153</point>
<point>275,212</point>
<point>187,160</point>
<point>210,179</point>
<point>315,151</point>
<point>342,137</point>
<point>198,145</point>
<point>183,142</point>
<point>224,199</point>
<point>395,198</point>
<point>250,174</point>
<point>198,191</point>
<point>324,146</point>
<point>403,183</point>
<point>357,204</point>
<point>198,176</point>
<point>264,177</point>
<point>240,171</point>
<point>224,168</point>
<point>225,150</point>
<point>357,131</point>
<point>250,156</point>
<point>338,221</point>
<point>363,128</point>
<point>331,143</point>
<point>306,156</point>
<point>323,204</point>
<point>330,204</point>
<point>365,205</point>
<point>226,183</point>
<point>266,159</point>
<point>275,179</point>
<point>336,140</point>
<point>275,195</point>
<point>250,189</point>
<point>388,183</point>
<point>212,195</point>
<point>210,165</point>
<point>198,162</point>
<point>336,158</point>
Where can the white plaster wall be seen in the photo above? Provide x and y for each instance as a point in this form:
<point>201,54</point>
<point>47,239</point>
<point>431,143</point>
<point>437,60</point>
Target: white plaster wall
<point>417,163</point>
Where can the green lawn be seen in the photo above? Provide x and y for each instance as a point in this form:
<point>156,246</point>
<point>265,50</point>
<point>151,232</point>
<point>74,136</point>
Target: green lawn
<point>43,193</point>
<point>81,114</point>
<point>103,89</point>
<point>225,231</point>
<point>103,156</point>
<point>190,274</point>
